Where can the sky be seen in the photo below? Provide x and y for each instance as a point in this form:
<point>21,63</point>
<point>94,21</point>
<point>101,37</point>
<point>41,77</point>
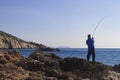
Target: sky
<point>62,22</point>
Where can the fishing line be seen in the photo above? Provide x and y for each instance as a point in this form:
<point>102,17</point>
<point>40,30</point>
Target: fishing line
<point>98,25</point>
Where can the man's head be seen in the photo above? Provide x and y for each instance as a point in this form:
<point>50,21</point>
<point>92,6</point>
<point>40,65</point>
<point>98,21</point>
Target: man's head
<point>89,36</point>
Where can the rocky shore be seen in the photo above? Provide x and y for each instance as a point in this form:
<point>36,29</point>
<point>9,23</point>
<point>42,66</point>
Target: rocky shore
<point>41,66</point>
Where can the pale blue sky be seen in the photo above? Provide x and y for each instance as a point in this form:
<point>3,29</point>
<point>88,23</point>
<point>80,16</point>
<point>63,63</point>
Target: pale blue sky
<point>62,22</point>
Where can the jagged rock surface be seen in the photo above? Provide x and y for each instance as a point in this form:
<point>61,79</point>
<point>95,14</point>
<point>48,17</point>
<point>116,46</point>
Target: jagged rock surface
<point>41,66</point>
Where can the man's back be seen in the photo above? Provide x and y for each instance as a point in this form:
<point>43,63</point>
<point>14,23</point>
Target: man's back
<point>90,43</point>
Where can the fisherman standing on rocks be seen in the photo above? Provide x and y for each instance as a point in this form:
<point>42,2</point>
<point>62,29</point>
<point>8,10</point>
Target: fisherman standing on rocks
<point>91,49</point>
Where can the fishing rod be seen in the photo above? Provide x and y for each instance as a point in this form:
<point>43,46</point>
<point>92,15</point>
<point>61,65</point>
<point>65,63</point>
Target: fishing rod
<point>98,25</point>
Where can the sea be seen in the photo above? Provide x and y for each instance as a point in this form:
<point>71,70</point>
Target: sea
<point>108,56</point>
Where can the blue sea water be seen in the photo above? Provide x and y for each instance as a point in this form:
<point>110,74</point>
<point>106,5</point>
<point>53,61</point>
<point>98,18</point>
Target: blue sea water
<point>108,56</point>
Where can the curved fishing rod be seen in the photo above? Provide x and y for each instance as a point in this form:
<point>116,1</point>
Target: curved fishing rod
<point>98,25</point>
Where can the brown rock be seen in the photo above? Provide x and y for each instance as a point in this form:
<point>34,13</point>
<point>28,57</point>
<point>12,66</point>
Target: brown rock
<point>117,68</point>
<point>10,71</point>
<point>83,68</point>
<point>50,78</point>
<point>35,76</point>
<point>31,65</point>
<point>50,60</point>
<point>12,56</point>
<point>53,73</point>
<point>41,66</point>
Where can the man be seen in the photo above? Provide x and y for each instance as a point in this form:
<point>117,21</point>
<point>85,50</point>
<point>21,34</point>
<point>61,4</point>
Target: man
<point>90,44</point>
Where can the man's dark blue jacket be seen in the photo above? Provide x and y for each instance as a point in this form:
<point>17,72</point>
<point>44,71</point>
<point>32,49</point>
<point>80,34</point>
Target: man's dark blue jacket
<point>90,43</point>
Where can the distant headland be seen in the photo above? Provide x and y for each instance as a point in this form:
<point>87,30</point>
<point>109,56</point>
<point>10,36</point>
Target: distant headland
<point>8,41</point>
